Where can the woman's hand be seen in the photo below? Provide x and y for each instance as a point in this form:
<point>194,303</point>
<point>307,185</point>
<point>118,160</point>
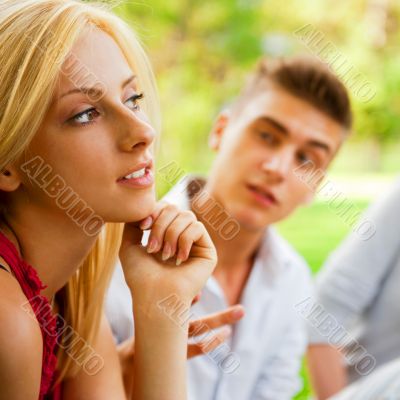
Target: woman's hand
<point>176,237</point>
<point>126,350</point>
<point>153,275</point>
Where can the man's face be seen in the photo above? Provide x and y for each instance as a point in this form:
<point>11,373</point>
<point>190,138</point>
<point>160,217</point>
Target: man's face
<point>265,149</point>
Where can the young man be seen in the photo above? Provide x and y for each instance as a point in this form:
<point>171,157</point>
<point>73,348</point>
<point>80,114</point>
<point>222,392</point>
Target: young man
<point>359,287</point>
<point>292,113</point>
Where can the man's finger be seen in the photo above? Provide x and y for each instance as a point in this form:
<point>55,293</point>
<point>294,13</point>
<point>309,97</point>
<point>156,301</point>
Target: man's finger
<point>196,298</point>
<point>209,344</point>
<point>213,321</point>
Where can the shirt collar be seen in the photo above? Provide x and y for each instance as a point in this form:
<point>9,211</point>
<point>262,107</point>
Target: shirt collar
<point>273,254</point>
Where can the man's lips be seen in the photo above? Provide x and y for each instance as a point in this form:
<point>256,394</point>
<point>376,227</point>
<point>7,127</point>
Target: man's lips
<point>263,195</point>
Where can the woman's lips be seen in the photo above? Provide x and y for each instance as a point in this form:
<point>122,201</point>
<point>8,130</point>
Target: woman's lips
<point>146,180</point>
<point>262,196</point>
<point>136,170</point>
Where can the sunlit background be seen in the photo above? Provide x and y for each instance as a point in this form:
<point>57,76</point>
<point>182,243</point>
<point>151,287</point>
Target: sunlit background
<point>202,50</point>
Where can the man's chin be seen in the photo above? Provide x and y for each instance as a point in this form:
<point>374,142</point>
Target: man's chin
<point>253,221</point>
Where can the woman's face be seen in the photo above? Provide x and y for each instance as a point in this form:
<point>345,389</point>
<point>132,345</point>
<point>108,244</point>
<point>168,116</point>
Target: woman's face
<point>92,141</point>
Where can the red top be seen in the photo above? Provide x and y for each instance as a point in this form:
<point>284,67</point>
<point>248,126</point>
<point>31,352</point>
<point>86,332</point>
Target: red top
<point>31,285</point>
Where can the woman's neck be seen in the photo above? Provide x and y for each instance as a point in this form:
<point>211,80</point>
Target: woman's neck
<point>50,242</point>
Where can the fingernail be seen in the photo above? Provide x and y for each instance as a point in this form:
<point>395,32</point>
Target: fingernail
<point>226,331</point>
<point>146,223</point>
<point>237,313</point>
<point>166,251</point>
<point>152,245</point>
<point>179,258</point>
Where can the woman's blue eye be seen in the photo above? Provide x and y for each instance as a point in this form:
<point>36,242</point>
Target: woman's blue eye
<point>134,99</point>
<point>88,116</point>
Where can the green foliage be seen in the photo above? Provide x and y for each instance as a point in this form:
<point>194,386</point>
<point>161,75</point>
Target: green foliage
<point>202,51</point>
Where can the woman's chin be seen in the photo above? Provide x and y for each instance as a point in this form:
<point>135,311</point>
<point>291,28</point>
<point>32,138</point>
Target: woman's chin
<point>132,213</point>
<point>140,213</point>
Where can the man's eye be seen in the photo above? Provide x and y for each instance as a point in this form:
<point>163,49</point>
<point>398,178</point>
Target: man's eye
<point>134,101</point>
<point>267,137</point>
<point>303,158</point>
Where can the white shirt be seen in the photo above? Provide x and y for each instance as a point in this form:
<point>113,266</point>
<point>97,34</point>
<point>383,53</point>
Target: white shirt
<point>266,346</point>
<point>359,288</point>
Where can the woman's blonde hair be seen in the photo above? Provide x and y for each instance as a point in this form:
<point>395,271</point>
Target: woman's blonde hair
<point>35,38</point>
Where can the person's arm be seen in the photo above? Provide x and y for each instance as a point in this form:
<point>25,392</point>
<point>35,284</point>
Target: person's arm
<point>160,333</point>
<point>159,368</point>
<point>328,373</point>
<point>107,382</point>
<point>126,349</point>
<point>350,282</point>
<point>160,354</point>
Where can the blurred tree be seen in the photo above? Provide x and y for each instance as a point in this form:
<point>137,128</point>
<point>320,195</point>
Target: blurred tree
<point>202,51</point>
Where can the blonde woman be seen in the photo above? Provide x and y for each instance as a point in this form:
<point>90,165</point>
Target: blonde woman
<point>76,145</point>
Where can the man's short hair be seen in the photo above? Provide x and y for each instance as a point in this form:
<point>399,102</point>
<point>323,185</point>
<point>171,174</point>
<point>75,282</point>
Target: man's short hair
<point>304,77</point>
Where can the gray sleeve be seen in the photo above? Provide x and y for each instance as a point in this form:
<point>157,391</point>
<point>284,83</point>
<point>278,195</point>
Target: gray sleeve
<point>384,383</point>
<point>353,274</point>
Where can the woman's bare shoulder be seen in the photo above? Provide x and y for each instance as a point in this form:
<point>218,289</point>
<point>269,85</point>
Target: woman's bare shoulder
<point>20,342</point>
<point>11,294</point>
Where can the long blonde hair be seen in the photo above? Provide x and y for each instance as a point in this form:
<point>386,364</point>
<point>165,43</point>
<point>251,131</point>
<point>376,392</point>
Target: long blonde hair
<point>35,39</point>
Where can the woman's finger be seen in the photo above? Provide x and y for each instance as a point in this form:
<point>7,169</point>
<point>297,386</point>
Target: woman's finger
<point>159,226</point>
<point>147,222</point>
<point>194,233</point>
<point>227,317</point>
<point>208,344</point>
<point>176,228</point>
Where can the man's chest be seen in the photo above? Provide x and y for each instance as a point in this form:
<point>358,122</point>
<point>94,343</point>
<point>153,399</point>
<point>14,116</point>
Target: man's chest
<point>233,284</point>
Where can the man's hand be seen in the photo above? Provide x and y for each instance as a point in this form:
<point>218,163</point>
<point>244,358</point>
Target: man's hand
<point>126,350</point>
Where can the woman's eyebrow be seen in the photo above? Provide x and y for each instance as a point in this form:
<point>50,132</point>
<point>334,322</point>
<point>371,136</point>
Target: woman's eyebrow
<point>93,91</point>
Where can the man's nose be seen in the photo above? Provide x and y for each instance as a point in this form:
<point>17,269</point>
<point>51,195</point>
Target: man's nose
<point>278,165</point>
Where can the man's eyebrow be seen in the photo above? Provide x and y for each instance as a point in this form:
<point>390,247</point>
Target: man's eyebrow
<point>320,145</point>
<point>93,91</point>
<point>278,125</point>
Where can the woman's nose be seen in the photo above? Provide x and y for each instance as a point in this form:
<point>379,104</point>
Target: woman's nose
<point>135,132</point>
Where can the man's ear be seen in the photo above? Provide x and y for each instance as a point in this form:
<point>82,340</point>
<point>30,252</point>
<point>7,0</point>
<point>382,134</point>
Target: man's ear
<point>9,179</point>
<point>217,130</point>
